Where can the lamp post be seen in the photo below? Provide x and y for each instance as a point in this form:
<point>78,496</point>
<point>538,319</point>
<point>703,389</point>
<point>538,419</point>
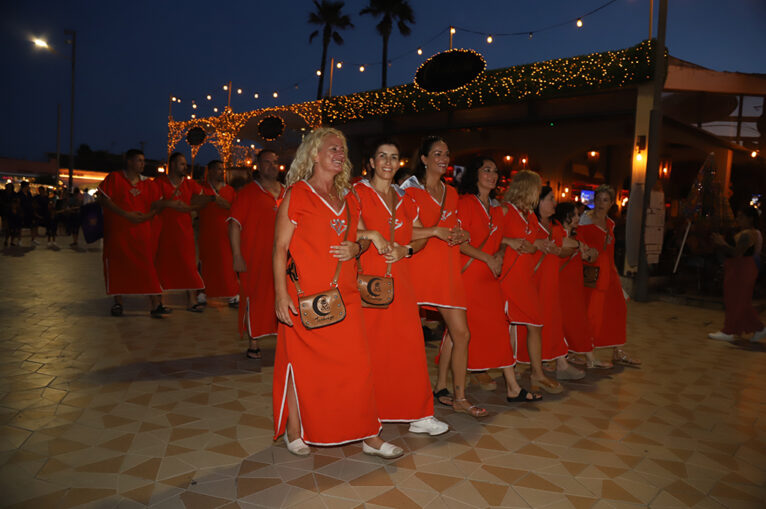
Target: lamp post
<point>41,43</point>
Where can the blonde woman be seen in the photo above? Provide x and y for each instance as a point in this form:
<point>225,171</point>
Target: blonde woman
<point>516,279</point>
<point>323,390</point>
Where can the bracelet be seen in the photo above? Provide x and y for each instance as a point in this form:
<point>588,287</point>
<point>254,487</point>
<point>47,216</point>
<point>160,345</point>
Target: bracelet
<point>358,254</point>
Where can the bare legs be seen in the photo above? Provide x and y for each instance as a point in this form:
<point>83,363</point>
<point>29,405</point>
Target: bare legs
<point>535,348</point>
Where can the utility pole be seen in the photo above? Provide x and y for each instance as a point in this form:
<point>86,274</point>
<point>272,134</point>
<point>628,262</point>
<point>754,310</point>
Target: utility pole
<point>653,151</point>
<point>73,42</point>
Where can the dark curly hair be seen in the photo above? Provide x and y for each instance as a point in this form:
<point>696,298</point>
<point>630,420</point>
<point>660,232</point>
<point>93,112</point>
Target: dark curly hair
<point>564,212</point>
<point>470,178</point>
<point>543,193</point>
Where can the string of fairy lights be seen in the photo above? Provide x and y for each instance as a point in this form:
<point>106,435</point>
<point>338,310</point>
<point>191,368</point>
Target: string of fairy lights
<point>210,104</point>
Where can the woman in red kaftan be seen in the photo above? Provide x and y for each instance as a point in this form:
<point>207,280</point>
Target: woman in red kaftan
<point>394,333</point>
<point>607,311</point>
<point>523,307</point>
<point>436,269</point>
<point>482,258</point>
<point>323,391</point>
<point>574,313</point>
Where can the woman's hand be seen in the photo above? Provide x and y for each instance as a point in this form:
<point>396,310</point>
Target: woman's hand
<point>381,244</point>
<point>345,250</point>
<point>283,306</point>
<point>545,245</point>
<point>442,233</point>
<point>570,243</point>
<point>495,264</point>
<point>397,253</point>
<point>458,236</point>
<point>239,264</point>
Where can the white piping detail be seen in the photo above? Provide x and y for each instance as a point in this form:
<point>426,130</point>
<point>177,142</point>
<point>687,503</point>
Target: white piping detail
<point>440,305</point>
<point>337,213</point>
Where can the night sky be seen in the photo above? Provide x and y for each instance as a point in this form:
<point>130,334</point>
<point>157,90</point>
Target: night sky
<point>132,55</point>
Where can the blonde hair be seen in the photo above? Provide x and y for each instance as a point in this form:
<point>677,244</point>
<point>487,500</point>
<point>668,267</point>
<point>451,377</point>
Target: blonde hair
<point>524,190</point>
<point>302,166</point>
<point>605,188</point>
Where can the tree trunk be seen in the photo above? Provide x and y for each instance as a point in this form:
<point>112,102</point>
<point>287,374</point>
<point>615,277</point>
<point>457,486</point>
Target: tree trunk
<point>325,45</point>
<point>384,73</point>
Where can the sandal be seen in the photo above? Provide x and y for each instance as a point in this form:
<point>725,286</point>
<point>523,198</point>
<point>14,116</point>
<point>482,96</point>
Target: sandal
<point>253,353</point>
<point>597,364</point>
<point>196,308</point>
<point>546,384</point>
<point>576,359</point>
<point>443,393</point>
<point>116,310</point>
<point>163,310</point>
<point>521,397</point>
<point>620,357</point>
<point>157,312</point>
<point>472,410</point>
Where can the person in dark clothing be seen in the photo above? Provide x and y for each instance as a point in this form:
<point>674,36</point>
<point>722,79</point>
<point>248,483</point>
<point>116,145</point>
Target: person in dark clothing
<point>73,219</point>
<point>41,208</point>
<point>7,198</point>
<point>28,212</point>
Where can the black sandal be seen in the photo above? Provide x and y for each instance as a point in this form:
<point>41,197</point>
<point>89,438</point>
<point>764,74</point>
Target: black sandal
<point>163,310</point>
<point>116,310</point>
<point>256,354</point>
<point>521,397</point>
<point>156,312</point>
<point>196,308</point>
<point>443,393</point>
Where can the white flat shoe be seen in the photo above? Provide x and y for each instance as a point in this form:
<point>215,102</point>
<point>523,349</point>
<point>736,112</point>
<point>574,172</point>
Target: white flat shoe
<point>429,425</point>
<point>387,451</point>
<point>720,336</point>
<point>297,446</point>
<point>759,335</point>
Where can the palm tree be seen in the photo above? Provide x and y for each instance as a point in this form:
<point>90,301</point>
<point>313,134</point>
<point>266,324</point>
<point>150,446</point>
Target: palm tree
<point>329,17</point>
<point>390,10</point>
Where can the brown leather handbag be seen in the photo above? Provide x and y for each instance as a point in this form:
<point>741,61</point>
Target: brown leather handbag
<point>590,272</point>
<point>378,291</point>
<point>323,308</point>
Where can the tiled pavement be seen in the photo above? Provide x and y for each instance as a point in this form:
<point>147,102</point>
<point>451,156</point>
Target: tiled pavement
<point>128,412</point>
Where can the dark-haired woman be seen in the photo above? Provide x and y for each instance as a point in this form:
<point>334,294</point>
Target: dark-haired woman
<point>740,273</point>
<point>399,366</point>
<point>574,313</point>
<point>482,217</point>
<point>436,269</point>
<point>546,276</point>
<point>523,306</point>
<point>607,311</point>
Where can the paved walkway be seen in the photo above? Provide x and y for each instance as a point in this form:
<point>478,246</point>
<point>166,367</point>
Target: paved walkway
<point>128,412</point>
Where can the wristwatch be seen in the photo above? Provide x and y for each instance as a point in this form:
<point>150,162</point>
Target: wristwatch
<point>409,252</point>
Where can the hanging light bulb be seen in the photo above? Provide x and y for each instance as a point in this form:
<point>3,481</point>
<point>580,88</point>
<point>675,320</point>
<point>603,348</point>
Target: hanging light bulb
<point>255,95</point>
<point>226,87</point>
<point>319,73</point>
<point>239,90</point>
<point>339,65</point>
<point>361,68</point>
<point>208,97</point>
<point>215,110</point>
<point>530,35</point>
<point>489,39</point>
<point>420,51</point>
<point>275,94</point>
<point>194,105</point>
<point>579,22</point>
<point>193,115</point>
<point>452,30</point>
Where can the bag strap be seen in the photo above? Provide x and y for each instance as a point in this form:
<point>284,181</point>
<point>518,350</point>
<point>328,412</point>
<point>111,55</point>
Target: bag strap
<point>392,231</point>
<point>292,269</point>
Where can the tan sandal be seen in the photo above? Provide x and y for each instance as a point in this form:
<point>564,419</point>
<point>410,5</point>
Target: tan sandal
<point>472,410</point>
<point>546,384</point>
<point>621,357</point>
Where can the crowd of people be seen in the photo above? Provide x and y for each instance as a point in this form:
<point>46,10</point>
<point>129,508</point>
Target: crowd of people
<point>342,272</point>
<point>56,211</point>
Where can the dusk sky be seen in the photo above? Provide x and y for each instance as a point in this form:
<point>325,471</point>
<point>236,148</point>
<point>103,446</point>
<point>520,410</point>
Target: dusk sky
<point>132,55</point>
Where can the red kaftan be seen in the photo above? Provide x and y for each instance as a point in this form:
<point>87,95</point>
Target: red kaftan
<point>330,366</point>
<point>574,311</point>
<point>255,211</point>
<point>436,267</point>
<point>607,311</point>
<point>214,247</point>
<point>546,278</point>
<point>519,289</point>
<point>490,345</point>
<point>128,248</point>
<point>395,336</point>
<point>176,258</point>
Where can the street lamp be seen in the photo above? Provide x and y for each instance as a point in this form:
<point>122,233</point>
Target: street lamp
<point>41,43</point>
